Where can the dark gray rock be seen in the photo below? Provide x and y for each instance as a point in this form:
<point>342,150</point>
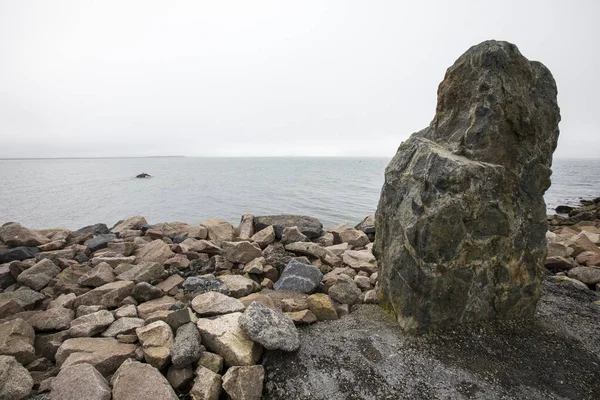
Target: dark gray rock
<point>365,356</point>
<point>144,291</point>
<point>187,346</point>
<point>299,277</point>
<point>6,278</point>
<point>196,285</point>
<point>309,226</point>
<point>87,232</point>
<point>272,329</point>
<point>461,222</point>
<point>367,225</point>
<point>99,242</point>
<point>18,254</point>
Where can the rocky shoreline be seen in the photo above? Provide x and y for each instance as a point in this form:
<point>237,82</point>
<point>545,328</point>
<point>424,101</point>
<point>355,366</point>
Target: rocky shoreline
<point>173,310</point>
<point>169,310</point>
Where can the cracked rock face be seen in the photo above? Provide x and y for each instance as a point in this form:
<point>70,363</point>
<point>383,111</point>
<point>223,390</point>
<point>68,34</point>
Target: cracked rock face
<point>460,226</point>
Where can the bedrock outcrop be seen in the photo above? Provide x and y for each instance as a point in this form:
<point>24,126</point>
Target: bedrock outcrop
<point>461,222</point>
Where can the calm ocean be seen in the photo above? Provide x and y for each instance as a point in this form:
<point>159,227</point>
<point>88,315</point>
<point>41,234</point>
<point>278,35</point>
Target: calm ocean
<point>72,193</point>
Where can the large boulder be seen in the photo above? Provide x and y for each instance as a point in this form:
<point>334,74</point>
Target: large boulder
<point>309,226</point>
<point>38,276</point>
<point>461,222</point>
<point>299,277</point>
<point>272,329</point>
<point>15,381</point>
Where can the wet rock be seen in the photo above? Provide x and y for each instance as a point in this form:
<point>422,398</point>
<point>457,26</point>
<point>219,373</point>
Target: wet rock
<point>322,307</point>
<point>81,381</point>
<point>219,231</point>
<point>109,295</point>
<point>264,237</point>
<point>467,193</point>
<point>91,324</point>
<point>15,381</point>
<point>244,383</point>
<point>157,342</point>
<point>100,275</point>
<point>105,354</point>
<point>16,339</point>
<point>54,319</point>
<point>18,254</point>
<point>238,285</point>
<point>345,290</point>
<point>214,303</point>
<point>207,385</point>
<point>299,277</point>
<point>309,226</point>
<point>136,381</point>
<point>224,336</point>
<point>15,235</point>
<point>38,276</point>
<point>123,326</point>
<point>272,329</point>
<point>156,251</point>
<point>187,346</point>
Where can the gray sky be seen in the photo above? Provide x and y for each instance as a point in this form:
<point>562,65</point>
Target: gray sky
<point>267,78</point>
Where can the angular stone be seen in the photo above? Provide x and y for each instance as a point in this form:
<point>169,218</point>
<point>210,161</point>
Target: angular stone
<point>38,276</point>
<point>157,341</point>
<point>360,260</point>
<point>367,225</point>
<point>18,254</point>
<point>109,295</point>
<point>172,282</point>
<point>461,222</point>
<point>113,261</point>
<point>16,339</point>
<point>303,317</point>
<point>261,298</point>
<point>240,252</point>
<point>136,381</point>
<point>272,329</point>
<point>363,282</point>
<point>143,272</point>
<point>9,307</point>
<point>587,275</point>
<point>371,297</point>
<point>105,354</point>
<point>224,336</point>
<point>152,306</point>
<point>180,378</point>
<point>53,319</point>
<point>292,234</point>
<point>580,243</point>
<point>246,228</point>
<point>299,277</point>
<point>309,226</point>
<point>87,310</point>
<point>314,250</point>
<point>133,223</point>
<point>187,346</point>
<point>207,385</point>
<point>128,310</point>
<point>244,383</point>
<point>15,381</point>
<point>46,345</point>
<point>238,285</point>
<point>123,326</point>
<point>354,237</point>
<point>99,242</point>
<point>156,251</point>
<point>63,301</point>
<point>212,361</point>
<point>15,235</point>
<point>200,246</point>
<point>100,275</point>
<point>322,307</point>
<point>80,381</point>
<point>219,231</point>
<point>144,291</point>
<point>264,237</point>
<point>330,278</point>
<point>345,290</point>
<point>255,266</point>
<point>91,324</point>
<point>214,303</point>
<point>339,249</point>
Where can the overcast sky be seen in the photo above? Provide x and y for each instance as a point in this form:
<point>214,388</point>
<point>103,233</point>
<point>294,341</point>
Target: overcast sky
<point>88,78</point>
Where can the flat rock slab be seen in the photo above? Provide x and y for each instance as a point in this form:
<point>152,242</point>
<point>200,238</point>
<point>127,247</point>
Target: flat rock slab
<point>365,356</point>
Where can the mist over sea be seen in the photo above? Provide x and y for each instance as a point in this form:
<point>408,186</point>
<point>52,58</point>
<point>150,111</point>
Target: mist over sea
<point>71,193</point>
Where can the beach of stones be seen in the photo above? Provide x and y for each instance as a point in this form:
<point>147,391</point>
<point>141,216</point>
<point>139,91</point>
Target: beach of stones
<point>169,310</point>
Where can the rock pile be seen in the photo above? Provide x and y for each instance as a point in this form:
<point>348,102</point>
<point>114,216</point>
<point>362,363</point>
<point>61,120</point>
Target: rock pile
<point>166,310</point>
<point>461,220</point>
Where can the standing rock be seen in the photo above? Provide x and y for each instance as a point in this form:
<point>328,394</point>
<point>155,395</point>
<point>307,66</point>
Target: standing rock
<point>157,341</point>
<point>244,383</point>
<point>156,251</point>
<point>461,222</point>
<point>219,231</point>
<point>16,339</point>
<point>15,235</point>
<point>299,277</point>
<point>136,381</point>
<point>272,329</point>
<point>81,381</point>
<point>15,381</point>
<point>224,336</point>
<point>214,303</point>
<point>207,385</point>
<point>38,276</point>
<point>187,346</point>
<point>367,225</point>
<point>246,228</point>
<point>309,226</point>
